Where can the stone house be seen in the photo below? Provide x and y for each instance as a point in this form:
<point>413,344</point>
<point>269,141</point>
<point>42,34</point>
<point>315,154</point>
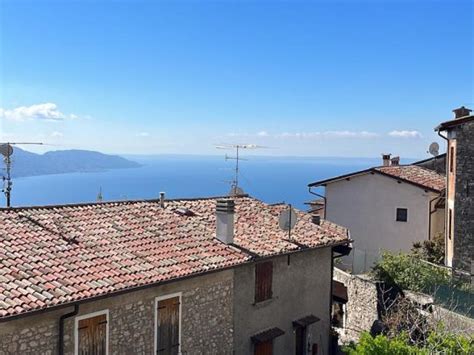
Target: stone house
<point>388,207</point>
<point>460,190</point>
<point>187,276</point>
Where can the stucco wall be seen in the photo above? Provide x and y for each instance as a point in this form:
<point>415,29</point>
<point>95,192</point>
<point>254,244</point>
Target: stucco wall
<point>206,321</point>
<point>301,286</point>
<point>367,205</point>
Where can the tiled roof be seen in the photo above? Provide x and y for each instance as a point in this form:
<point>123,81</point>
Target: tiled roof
<point>413,174</point>
<point>50,256</point>
<point>417,175</point>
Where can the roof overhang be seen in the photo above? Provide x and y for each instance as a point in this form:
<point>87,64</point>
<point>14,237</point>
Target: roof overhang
<point>452,123</point>
<point>305,321</point>
<point>267,335</point>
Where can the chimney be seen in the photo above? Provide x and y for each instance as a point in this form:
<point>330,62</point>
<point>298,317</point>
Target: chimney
<point>316,219</point>
<point>225,221</point>
<point>395,161</point>
<point>461,112</point>
<point>386,159</point>
<point>162,199</point>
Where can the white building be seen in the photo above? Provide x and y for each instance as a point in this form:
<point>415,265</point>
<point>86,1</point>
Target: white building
<point>386,208</point>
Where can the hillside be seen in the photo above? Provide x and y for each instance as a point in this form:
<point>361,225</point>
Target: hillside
<point>66,161</point>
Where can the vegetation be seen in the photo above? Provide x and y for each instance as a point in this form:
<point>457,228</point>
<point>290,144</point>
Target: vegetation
<point>409,272</point>
<point>430,250</point>
<point>437,343</point>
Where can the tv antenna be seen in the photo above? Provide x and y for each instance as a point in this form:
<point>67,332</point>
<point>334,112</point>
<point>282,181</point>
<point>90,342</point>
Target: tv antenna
<point>235,190</point>
<point>6,149</point>
<point>434,149</point>
<point>287,220</point>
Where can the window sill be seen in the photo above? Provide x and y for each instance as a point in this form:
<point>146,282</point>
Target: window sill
<point>265,303</point>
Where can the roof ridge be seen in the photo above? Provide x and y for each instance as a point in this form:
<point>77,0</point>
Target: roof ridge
<point>119,202</point>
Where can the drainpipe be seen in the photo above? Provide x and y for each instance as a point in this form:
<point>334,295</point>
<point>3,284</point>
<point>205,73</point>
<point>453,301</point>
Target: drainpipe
<point>61,328</point>
<point>323,197</point>
<point>430,214</point>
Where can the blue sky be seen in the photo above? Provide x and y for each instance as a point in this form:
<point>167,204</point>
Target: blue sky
<point>319,78</point>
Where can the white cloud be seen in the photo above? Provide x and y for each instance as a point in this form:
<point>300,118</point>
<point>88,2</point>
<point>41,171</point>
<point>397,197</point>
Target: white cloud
<point>57,134</point>
<point>263,134</point>
<point>143,134</point>
<point>328,134</point>
<point>47,111</point>
<point>405,134</point>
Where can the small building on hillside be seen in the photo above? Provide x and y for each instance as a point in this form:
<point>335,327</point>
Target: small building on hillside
<point>460,191</point>
<point>188,276</point>
<point>388,207</point>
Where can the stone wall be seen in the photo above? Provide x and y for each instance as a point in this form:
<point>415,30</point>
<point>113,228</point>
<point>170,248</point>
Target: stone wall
<point>206,320</point>
<point>362,307</point>
<point>437,164</point>
<point>464,199</point>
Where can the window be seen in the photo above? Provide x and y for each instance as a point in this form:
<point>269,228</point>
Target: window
<point>265,348</point>
<point>300,340</point>
<point>168,324</point>
<point>91,335</point>
<point>450,224</point>
<point>263,281</point>
<point>402,214</point>
<point>451,160</point>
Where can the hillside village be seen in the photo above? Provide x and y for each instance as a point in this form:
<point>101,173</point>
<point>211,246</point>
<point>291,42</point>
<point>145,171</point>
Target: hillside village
<point>218,275</point>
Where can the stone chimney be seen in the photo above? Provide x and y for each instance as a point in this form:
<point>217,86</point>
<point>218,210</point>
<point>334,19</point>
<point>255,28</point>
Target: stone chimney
<point>162,199</point>
<point>225,210</point>
<point>395,161</point>
<point>386,159</point>
<point>461,112</point>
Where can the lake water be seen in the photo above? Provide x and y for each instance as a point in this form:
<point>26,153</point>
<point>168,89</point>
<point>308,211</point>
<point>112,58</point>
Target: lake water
<point>267,178</point>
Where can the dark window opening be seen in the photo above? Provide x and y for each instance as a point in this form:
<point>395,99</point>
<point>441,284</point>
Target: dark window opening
<point>92,335</point>
<point>450,224</point>
<point>265,348</point>
<point>451,160</point>
<point>300,340</point>
<point>167,322</point>
<point>402,214</point>
<point>263,281</point>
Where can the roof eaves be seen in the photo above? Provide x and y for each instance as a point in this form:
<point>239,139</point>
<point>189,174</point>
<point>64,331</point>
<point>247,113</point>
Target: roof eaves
<point>452,123</point>
<point>421,186</point>
<point>340,177</point>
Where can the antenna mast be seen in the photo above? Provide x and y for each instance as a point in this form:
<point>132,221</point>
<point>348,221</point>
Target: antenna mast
<point>235,189</point>
<point>6,150</point>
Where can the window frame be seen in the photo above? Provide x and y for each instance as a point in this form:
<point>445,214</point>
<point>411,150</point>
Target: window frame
<point>162,298</point>
<point>86,316</point>
<point>256,288</point>
<point>396,214</point>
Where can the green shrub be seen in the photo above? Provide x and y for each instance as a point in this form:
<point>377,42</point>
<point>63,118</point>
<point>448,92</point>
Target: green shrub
<point>410,273</point>
<point>381,345</point>
<point>430,250</point>
<point>437,343</point>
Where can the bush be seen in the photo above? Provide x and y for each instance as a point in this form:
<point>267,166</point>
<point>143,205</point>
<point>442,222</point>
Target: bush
<point>430,250</point>
<point>438,343</point>
<point>381,345</point>
<point>410,273</point>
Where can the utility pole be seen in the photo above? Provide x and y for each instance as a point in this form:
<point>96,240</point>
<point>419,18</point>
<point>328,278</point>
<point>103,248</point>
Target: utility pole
<point>6,149</point>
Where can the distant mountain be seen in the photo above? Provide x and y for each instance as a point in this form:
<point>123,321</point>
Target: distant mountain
<point>65,161</point>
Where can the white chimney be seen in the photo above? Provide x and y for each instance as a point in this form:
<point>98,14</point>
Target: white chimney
<point>386,159</point>
<point>225,221</point>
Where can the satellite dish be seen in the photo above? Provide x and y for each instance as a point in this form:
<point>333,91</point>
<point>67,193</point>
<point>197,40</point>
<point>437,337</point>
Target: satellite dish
<point>434,149</point>
<point>287,219</point>
<point>6,150</point>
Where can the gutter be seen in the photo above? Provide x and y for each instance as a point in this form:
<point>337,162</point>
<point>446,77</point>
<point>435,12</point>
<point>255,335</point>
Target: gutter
<point>61,328</point>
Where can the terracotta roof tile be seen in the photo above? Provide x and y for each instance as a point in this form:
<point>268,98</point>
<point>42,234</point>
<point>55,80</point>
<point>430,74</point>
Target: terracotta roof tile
<point>417,175</point>
<point>57,255</point>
